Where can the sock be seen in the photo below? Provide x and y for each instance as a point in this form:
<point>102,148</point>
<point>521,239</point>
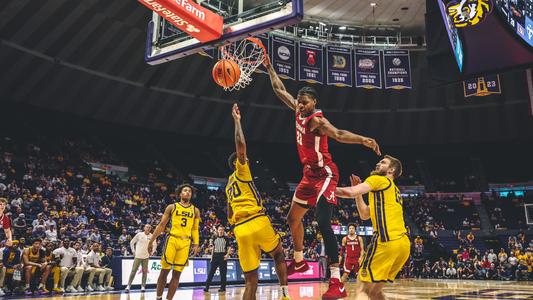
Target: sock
<point>298,256</point>
<point>40,285</point>
<point>284,291</point>
<point>27,286</point>
<point>335,273</point>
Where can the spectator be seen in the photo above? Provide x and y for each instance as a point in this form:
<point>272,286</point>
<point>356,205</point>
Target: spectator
<point>68,256</point>
<point>492,257</point>
<point>106,265</point>
<point>94,260</point>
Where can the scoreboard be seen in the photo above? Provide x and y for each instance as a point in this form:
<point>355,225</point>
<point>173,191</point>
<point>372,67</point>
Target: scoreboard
<point>519,16</point>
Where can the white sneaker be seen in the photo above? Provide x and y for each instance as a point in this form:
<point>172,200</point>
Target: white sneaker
<point>80,289</point>
<point>127,290</point>
<point>71,289</point>
<point>62,290</point>
<point>143,289</point>
<point>100,288</point>
<point>2,293</point>
<point>90,288</point>
<point>109,288</point>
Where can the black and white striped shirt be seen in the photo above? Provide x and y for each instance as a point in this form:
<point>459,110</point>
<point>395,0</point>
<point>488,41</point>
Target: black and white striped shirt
<point>220,244</point>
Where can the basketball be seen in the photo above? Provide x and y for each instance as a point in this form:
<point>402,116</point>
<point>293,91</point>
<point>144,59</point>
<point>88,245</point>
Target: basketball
<point>226,73</point>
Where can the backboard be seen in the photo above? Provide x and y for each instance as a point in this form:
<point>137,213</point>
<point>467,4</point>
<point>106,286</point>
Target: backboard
<point>242,18</point>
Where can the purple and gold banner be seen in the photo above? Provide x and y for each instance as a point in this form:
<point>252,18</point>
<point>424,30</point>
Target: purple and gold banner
<point>311,67</point>
<point>284,56</point>
<point>367,69</point>
<point>339,67</point>
<point>397,69</point>
<point>482,86</point>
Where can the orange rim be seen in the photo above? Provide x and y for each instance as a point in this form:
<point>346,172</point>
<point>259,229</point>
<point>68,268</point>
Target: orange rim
<point>250,39</point>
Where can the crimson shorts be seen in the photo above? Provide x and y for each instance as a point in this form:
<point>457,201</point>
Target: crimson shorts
<point>351,265</point>
<point>316,183</point>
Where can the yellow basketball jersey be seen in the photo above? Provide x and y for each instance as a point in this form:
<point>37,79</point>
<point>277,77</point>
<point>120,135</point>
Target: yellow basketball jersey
<point>182,220</point>
<point>243,197</point>
<point>386,210</point>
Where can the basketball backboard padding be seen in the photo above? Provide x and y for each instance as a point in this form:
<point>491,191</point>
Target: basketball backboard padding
<point>165,43</point>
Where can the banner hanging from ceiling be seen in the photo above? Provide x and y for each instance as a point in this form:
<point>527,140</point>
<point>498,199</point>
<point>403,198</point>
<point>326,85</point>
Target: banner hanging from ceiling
<point>284,56</point>
<point>311,67</point>
<point>397,69</point>
<point>368,69</point>
<point>339,66</point>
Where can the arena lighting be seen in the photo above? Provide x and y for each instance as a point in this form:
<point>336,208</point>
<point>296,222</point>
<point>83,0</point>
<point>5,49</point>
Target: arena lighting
<point>373,4</point>
<point>342,28</point>
<point>322,23</point>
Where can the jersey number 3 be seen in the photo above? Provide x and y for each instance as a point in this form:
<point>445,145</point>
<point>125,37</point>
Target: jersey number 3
<point>183,222</point>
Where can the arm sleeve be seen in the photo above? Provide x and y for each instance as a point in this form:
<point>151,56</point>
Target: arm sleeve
<point>195,231</point>
<point>377,182</point>
<point>242,171</point>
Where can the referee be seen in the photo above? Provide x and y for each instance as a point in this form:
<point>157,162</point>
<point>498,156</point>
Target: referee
<point>219,258</point>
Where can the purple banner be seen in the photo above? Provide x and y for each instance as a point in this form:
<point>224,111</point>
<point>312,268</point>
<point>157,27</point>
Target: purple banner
<point>397,69</point>
<point>284,56</point>
<point>311,67</point>
<point>339,66</point>
<point>367,69</point>
<point>482,86</point>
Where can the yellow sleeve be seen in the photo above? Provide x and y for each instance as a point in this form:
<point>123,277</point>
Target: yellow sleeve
<point>242,171</point>
<point>377,182</point>
<point>196,231</point>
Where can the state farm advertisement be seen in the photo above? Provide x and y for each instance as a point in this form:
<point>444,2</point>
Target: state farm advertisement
<point>189,17</point>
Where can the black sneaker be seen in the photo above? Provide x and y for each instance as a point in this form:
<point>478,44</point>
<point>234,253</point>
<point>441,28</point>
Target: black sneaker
<point>206,290</point>
<point>220,290</point>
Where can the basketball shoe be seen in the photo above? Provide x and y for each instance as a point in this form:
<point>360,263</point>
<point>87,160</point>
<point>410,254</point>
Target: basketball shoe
<point>297,267</point>
<point>336,290</point>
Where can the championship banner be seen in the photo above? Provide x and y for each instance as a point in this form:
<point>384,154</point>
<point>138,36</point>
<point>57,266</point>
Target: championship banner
<point>284,56</point>
<point>482,86</point>
<point>397,69</point>
<point>311,65</point>
<point>189,17</point>
<point>339,66</point>
<point>367,69</point>
<point>265,39</point>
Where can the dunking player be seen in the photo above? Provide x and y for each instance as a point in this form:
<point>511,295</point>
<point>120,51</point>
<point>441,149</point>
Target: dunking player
<point>390,246</point>
<point>252,228</point>
<point>351,246</point>
<point>184,221</point>
<point>320,176</point>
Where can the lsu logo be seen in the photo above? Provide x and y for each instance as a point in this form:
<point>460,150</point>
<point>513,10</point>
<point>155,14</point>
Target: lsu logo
<point>468,12</point>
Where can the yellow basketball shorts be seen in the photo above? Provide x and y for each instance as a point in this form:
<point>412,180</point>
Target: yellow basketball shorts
<point>253,236</point>
<point>383,260</point>
<point>175,253</point>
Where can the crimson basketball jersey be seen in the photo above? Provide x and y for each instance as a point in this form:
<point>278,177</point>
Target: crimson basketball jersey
<point>353,249</point>
<point>312,147</point>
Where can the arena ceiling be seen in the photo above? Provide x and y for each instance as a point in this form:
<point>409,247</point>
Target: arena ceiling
<point>86,58</point>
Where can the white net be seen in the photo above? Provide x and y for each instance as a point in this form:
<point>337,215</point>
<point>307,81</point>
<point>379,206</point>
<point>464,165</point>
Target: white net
<point>248,54</point>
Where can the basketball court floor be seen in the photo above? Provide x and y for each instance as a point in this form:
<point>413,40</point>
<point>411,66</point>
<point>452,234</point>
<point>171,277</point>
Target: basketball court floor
<point>420,289</point>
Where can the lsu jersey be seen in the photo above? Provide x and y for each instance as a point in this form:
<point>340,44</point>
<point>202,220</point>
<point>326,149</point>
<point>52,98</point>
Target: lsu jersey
<point>386,210</point>
<point>243,197</point>
<point>182,220</point>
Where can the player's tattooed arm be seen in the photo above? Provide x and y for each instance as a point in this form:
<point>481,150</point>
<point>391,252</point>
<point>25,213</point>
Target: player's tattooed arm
<point>342,136</point>
<point>240,142</point>
<point>279,87</point>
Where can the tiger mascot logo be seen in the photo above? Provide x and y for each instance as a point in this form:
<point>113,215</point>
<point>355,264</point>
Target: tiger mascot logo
<point>468,12</point>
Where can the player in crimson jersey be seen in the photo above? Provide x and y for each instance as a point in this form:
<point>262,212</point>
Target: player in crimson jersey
<point>352,247</point>
<point>5,222</point>
<point>320,176</point>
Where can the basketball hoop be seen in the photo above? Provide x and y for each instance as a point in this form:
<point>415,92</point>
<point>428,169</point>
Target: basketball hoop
<point>248,54</point>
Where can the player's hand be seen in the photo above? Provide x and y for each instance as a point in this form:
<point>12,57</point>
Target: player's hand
<point>372,144</point>
<point>226,257</point>
<point>355,180</point>
<point>235,112</point>
<point>266,61</point>
<point>340,258</point>
<point>195,249</point>
<point>9,243</point>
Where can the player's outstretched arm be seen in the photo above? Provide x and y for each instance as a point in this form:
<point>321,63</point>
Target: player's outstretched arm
<point>196,232</point>
<point>240,143</point>
<point>160,227</point>
<point>278,86</point>
<point>342,136</point>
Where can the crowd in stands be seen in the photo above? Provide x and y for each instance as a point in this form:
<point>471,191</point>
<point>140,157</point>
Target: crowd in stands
<point>514,262</point>
<point>60,205</point>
